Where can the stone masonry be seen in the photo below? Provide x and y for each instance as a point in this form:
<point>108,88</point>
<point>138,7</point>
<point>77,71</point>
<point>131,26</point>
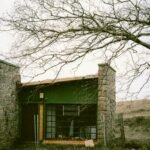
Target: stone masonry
<point>9,108</point>
<point>106,104</point>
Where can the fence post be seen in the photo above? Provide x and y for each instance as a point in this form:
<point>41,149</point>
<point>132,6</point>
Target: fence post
<point>122,133</point>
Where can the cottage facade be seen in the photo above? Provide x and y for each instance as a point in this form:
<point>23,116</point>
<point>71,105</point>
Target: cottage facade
<point>61,111</point>
<point>70,110</point>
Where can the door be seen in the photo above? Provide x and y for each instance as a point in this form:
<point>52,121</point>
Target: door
<point>28,121</point>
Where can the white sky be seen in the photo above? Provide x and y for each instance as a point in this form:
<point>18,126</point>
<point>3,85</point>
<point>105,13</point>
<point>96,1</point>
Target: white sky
<point>87,68</point>
<point>6,5</point>
<point>5,39</point>
<point>6,42</point>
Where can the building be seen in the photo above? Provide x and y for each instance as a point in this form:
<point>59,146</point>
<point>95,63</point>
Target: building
<point>69,110</point>
<point>9,104</point>
<point>61,111</point>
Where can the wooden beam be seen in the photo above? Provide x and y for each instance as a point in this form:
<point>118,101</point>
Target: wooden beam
<point>66,142</point>
<point>41,111</point>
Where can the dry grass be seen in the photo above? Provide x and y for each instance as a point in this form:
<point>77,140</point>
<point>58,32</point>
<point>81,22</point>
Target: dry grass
<point>136,119</point>
<point>64,147</point>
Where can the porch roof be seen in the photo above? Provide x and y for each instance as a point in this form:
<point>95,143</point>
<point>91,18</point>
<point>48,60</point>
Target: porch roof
<point>58,80</point>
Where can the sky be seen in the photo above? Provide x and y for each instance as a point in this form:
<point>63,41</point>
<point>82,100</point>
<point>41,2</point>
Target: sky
<point>5,38</point>
<point>88,67</point>
<point>6,43</point>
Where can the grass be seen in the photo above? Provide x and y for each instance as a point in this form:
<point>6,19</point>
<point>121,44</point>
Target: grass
<point>64,147</point>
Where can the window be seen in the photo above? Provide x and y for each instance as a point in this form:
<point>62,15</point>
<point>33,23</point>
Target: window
<point>71,122</point>
<point>71,110</point>
<point>51,122</point>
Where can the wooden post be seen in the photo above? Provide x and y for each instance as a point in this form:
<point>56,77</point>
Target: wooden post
<point>105,143</point>
<point>41,111</point>
<point>35,130</point>
<point>122,136</point>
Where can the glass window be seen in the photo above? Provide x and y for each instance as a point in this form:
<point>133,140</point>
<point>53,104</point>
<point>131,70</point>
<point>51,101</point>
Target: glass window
<point>71,122</point>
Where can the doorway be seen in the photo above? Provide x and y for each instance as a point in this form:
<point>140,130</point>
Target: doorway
<point>29,114</point>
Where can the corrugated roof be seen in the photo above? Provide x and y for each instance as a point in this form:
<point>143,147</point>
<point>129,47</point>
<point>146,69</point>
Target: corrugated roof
<point>52,81</point>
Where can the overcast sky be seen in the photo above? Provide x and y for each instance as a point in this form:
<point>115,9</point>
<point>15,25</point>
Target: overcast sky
<point>6,42</point>
<point>5,39</point>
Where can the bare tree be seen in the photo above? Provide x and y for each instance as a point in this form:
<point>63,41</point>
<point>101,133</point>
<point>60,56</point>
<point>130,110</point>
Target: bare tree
<point>53,33</point>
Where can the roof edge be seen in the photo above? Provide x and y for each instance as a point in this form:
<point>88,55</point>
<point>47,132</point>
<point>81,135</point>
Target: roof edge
<point>59,80</point>
<point>7,63</point>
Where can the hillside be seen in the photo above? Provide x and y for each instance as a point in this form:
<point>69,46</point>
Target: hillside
<point>136,116</point>
<point>134,108</point>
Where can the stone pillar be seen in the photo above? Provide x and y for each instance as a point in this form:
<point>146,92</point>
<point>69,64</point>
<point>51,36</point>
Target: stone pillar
<point>106,104</point>
<point>9,108</point>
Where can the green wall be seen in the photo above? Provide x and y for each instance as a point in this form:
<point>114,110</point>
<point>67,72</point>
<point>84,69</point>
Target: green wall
<point>72,92</point>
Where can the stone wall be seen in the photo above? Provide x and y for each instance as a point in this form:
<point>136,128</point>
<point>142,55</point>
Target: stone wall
<point>106,104</point>
<point>9,110</point>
